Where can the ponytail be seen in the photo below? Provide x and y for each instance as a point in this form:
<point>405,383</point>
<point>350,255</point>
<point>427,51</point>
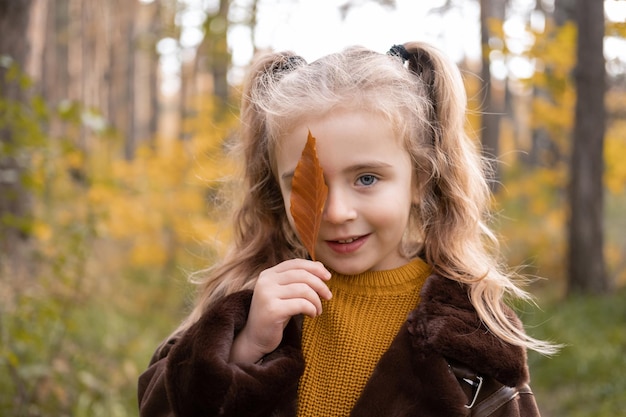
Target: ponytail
<point>262,235</point>
<point>455,198</point>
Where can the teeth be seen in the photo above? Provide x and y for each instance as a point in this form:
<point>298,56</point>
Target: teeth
<point>347,240</point>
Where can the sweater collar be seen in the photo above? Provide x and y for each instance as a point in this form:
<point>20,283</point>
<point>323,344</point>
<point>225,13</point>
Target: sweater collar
<point>382,282</point>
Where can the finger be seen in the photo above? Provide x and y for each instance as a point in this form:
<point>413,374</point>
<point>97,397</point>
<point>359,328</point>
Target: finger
<point>305,275</point>
<point>316,268</point>
<point>320,287</point>
<point>270,278</point>
<point>300,290</point>
<point>269,296</point>
<point>293,306</point>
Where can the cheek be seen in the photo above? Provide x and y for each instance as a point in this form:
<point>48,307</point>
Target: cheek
<point>398,214</point>
<point>391,216</point>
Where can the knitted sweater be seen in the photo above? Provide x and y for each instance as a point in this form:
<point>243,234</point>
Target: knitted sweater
<point>342,346</point>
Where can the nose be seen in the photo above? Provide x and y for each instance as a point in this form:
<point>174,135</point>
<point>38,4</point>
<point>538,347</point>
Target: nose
<point>339,208</point>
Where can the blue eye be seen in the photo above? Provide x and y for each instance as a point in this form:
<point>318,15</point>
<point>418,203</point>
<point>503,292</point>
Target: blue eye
<point>367,180</point>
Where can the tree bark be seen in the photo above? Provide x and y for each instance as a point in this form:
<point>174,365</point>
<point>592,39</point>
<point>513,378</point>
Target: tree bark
<point>564,10</point>
<point>14,54</point>
<point>56,78</point>
<point>586,267</point>
<point>214,48</point>
<point>155,31</point>
<point>221,55</point>
<point>492,107</point>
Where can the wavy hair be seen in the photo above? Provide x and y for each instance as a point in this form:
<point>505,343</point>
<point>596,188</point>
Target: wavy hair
<point>422,96</point>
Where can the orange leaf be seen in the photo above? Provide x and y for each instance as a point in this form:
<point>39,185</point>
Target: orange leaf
<point>308,196</point>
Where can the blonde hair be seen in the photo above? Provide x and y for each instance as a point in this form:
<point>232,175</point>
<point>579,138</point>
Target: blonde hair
<point>424,100</point>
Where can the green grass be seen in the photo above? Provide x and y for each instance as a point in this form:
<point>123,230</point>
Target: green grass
<point>588,377</point>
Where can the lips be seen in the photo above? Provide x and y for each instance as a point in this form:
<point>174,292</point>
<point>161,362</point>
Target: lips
<point>347,245</point>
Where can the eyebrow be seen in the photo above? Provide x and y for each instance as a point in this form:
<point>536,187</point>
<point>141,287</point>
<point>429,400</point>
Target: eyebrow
<point>369,165</point>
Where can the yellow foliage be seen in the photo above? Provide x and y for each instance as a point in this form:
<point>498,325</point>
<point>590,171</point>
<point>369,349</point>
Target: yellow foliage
<point>617,29</point>
<point>153,209</point>
<point>555,115</point>
<point>615,261</point>
<point>495,27</point>
<point>148,253</point>
<point>161,193</point>
<point>100,193</point>
<point>75,159</point>
<point>41,230</point>
<point>496,31</point>
<point>555,49</point>
<point>533,218</point>
<point>508,148</point>
<point>614,155</point>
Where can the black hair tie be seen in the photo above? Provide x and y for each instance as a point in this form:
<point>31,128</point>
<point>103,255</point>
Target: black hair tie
<point>288,64</point>
<point>399,51</point>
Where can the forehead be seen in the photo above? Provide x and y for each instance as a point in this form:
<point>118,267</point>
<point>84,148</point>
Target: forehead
<point>343,138</point>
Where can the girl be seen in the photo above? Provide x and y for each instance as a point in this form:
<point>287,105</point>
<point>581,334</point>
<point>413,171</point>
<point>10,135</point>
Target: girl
<point>403,314</point>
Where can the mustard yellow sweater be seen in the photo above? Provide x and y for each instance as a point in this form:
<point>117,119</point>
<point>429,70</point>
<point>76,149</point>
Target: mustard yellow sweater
<point>342,346</point>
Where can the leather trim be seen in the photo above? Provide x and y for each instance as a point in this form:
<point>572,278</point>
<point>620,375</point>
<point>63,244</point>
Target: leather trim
<point>494,401</point>
<point>487,398</point>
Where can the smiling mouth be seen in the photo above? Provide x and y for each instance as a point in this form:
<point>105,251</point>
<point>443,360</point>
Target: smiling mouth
<point>348,245</point>
<point>350,240</point>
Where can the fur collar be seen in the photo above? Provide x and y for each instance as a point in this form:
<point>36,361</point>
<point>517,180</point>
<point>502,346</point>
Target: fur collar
<point>445,321</point>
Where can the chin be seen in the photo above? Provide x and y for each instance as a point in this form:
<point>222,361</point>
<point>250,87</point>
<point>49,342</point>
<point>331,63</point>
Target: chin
<point>346,269</point>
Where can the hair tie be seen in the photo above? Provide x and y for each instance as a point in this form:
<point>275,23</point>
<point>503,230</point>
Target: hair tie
<point>399,51</point>
<point>288,64</point>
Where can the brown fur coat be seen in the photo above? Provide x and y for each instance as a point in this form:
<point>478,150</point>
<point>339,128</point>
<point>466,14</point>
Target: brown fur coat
<point>190,375</point>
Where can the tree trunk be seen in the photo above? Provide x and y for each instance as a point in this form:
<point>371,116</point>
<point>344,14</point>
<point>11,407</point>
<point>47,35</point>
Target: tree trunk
<point>564,10</point>
<point>130,139</point>
<point>155,30</point>
<point>14,55</point>
<point>252,23</point>
<point>215,48</point>
<point>492,107</point>
<point>221,55</point>
<point>56,79</point>
<point>119,106</point>
<point>586,272</point>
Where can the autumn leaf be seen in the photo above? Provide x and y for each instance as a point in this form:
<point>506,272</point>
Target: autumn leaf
<point>308,196</point>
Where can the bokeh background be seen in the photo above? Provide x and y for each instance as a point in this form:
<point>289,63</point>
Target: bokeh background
<point>114,121</point>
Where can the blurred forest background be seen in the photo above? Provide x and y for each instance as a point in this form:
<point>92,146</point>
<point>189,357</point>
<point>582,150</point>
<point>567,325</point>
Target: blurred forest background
<point>110,175</point>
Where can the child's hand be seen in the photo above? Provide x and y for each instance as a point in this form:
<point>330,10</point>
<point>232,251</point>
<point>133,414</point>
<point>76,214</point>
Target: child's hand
<point>292,287</point>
